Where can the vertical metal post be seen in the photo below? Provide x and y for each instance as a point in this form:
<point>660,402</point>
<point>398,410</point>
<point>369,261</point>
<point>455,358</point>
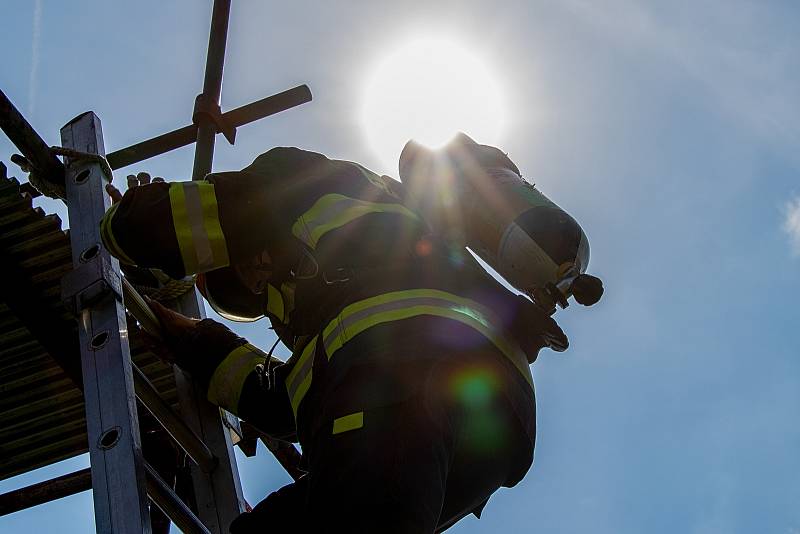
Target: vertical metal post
<point>212,87</point>
<point>218,494</point>
<point>118,475</point>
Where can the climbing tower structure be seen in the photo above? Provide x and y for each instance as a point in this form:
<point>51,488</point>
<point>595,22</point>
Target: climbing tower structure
<point>75,374</point>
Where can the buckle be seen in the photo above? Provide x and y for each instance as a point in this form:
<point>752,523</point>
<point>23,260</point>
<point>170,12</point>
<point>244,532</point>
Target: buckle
<point>340,275</point>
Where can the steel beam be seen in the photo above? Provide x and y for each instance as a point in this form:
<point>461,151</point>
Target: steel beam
<point>33,147</point>
<point>188,134</point>
<point>49,490</point>
<point>218,494</point>
<point>118,474</point>
<point>212,87</point>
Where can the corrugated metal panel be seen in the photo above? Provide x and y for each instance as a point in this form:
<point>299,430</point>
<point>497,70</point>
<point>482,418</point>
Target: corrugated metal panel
<point>41,410</point>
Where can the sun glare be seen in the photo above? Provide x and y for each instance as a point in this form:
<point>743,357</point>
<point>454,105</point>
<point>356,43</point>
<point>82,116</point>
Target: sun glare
<point>428,90</point>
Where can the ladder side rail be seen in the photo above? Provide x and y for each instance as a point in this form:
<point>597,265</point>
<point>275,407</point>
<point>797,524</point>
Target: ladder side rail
<point>94,289</point>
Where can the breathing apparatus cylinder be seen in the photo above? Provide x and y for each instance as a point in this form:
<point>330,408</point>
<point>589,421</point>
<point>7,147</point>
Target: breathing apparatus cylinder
<point>473,195</point>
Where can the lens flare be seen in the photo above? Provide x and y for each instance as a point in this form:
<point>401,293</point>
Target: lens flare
<point>473,387</point>
<point>485,429</point>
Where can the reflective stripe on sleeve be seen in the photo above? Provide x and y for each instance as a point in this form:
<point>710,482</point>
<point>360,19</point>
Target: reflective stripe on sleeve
<point>333,211</point>
<point>107,235</point>
<point>395,306</point>
<point>229,377</point>
<point>195,215</point>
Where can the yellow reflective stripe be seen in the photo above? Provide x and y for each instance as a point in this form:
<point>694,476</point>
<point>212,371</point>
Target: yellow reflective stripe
<point>299,379</point>
<point>212,227</point>
<point>275,303</point>
<point>394,306</point>
<point>334,210</point>
<point>348,422</point>
<point>229,377</point>
<point>183,231</point>
<point>464,316</point>
<point>195,216</point>
<point>300,393</point>
<point>107,235</point>
<point>397,305</point>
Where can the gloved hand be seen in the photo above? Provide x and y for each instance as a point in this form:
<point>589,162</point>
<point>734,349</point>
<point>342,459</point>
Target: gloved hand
<point>282,511</point>
<point>142,178</point>
<point>175,329</point>
<point>536,330</point>
<point>195,345</point>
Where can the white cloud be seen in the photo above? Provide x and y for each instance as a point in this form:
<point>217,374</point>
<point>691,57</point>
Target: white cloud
<point>791,223</point>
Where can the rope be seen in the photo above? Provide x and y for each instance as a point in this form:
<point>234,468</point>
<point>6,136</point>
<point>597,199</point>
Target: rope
<point>171,289</point>
<point>78,155</point>
<point>52,189</point>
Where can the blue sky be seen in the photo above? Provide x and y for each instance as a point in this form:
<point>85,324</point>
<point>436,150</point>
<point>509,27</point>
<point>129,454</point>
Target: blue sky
<point>671,131</point>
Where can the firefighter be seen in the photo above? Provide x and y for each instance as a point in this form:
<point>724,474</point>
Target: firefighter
<point>409,387</point>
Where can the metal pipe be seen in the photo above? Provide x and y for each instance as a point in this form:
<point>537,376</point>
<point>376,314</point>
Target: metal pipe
<point>140,310</point>
<point>176,428</point>
<point>169,503</point>
<point>212,87</point>
<point>32,146</point>
<point>46,491</point>
<point>188,134</point>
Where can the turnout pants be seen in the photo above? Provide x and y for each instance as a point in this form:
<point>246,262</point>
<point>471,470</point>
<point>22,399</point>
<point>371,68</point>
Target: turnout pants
<point>409,465</point>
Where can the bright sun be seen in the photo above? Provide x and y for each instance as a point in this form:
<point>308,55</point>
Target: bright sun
<point>428,90</point>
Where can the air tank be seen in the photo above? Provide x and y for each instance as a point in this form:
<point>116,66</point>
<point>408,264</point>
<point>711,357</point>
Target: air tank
<point>473,195</point>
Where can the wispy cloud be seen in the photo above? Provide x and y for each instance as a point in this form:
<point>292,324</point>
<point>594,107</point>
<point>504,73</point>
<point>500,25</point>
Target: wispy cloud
<point>746,71</point>
<point>35,39</point>
<point>791,223</point>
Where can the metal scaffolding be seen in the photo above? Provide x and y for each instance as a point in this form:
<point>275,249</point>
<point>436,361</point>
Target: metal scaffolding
<point>125,480</point>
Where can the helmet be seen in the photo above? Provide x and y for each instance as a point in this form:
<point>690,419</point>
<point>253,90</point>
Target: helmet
<point>461,154</point>
<point>229,297</point>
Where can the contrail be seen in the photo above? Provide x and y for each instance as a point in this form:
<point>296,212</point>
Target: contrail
<point>32,80</point>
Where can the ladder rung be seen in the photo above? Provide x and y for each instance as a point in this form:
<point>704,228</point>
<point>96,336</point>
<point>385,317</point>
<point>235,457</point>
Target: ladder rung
<point>172,505</point>
<point>180,432</point>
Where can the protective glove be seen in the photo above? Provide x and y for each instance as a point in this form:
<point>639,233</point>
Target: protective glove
<point>142,178</point>
<point>175,328</point>
<point>281,511</point>
<point>535,329</point>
